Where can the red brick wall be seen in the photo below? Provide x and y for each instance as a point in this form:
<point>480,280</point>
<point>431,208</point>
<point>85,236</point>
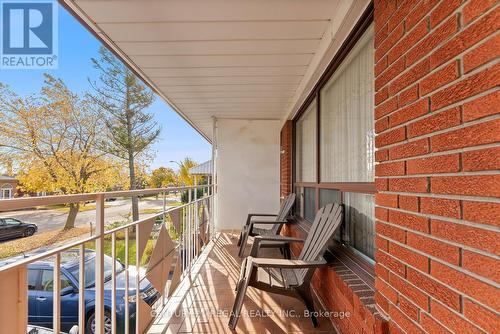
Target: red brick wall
<point>286,159</point>
<point>438,131</point>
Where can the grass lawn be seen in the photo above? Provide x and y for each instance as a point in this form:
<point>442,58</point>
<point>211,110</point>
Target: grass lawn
<point>120,249</point>
<point>149,211</point>
<point>18,246</point>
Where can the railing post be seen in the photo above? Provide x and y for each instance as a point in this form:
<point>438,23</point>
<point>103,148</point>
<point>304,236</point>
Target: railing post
<point>113,283</point>
<point>56,307</point>
<point>81,291</point>
<point>99,265</point>
<point>189,234</point>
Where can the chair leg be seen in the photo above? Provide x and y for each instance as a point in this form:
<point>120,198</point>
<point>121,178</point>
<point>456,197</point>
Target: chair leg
<point>309,302</point>
<point>243,270</point>
<point>238,303</point>
<point>288,253</point>
<point>243,243</point>
<point>239,239</point>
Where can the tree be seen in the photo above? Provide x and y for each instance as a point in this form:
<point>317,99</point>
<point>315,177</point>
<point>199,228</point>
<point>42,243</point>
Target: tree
<point>130,128</point>
<point>162,177</point>
<point>185,177</point>
<point>52,136</point>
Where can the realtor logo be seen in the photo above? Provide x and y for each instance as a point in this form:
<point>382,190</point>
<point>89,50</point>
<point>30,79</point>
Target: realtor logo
<point>29,34</point>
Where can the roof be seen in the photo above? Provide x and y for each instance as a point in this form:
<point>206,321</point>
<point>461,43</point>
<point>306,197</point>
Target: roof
<point>7,178</point>
<point>248,59</point>
<point>202,169</point>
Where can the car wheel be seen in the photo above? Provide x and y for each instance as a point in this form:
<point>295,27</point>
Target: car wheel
<point>90,328</point>
<point>29,232</point>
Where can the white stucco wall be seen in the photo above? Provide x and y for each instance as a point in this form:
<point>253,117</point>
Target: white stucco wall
<point>247,167</point>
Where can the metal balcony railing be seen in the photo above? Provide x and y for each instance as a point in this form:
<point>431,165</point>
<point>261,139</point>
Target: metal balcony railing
<point>174,238</point>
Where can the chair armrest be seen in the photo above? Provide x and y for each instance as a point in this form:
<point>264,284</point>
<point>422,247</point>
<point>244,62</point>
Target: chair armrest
<point>282,263</point>
<point>250,215</point>
<point>282,240</point>
<point>252,223</point>
<point>268,222</point>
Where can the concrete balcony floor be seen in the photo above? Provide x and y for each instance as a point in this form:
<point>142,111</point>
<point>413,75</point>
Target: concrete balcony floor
<point>207,302</point>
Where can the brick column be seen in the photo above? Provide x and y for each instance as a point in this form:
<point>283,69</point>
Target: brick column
<point>438,132</point>
<point>286,159</point>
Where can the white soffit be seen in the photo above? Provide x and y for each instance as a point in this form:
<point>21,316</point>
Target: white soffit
<point>248,59</point>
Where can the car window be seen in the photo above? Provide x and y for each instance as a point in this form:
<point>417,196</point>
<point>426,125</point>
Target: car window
<point>48,281</point>
<point>90,270</point>
<point>10,221</point>
<point>32,278</point>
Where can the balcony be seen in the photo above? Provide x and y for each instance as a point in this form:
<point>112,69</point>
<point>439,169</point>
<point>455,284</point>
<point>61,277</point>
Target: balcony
<point>389,108</point>
<point>196,288</point>
<point>204,305</point>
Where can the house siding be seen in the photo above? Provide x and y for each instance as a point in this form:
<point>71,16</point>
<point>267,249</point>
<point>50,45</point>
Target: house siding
<point>436,114</point>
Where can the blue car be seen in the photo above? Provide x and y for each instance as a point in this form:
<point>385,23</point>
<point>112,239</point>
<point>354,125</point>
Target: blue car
<point>40,292</point>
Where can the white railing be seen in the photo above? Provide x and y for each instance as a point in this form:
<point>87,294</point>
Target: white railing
<point>192,223</point>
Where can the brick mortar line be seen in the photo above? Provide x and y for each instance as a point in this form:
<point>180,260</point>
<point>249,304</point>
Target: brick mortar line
<point>494,200</point>
<point>417,324</point>
<point>460,27</point>
<point>433,237</point>
<point>457,268</point>
<point>403,19</point>
<point>432,134</point>
<point>436,154</point>
<point>462,76</point>
<point>488,65</point>
<point>461,315</point>
<point>459,173</point>
<point>447,219</point>
<point>460,293</point>
<point>423,311</point>
<point>491,63</point>
<point>458,10</point>
<point>407,32</point>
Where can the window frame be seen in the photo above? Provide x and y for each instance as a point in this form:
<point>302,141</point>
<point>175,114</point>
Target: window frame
<point>356,34</point>
<point>7,187</point>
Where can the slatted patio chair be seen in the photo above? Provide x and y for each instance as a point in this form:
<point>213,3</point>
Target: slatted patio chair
<point>284,276</point>
<point>250,230</point>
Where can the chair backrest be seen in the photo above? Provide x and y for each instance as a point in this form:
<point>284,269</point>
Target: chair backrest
<point>326,222</point>
<point>285,209</point>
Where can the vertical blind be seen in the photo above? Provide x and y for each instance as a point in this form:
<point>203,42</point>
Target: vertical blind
<point>347,130</point>
<point>305,143</point>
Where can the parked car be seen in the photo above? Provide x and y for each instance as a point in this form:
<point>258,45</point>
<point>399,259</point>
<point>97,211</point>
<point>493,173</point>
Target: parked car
<point>40,292</point>
<point>14,228</point>
<point>44,330</point>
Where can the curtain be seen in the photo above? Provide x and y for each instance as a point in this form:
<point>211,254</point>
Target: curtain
<point>306,145</point>
<point>347,126</point>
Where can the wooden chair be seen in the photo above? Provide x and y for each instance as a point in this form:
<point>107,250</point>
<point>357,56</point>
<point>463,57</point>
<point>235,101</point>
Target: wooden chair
<point>249,229</point>
<point>284,276</point>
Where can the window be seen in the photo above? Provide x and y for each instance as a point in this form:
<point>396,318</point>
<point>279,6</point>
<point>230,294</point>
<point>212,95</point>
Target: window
<point>343,127</point>
<point>48,280</point>
<point>33,278</point>
<point>10,221</point>
<point>347,130</point>
<point>6,191</point>
<point>305,145</point>
<point>360,229</point>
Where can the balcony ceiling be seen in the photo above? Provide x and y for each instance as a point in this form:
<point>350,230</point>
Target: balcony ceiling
<point>250,59</point>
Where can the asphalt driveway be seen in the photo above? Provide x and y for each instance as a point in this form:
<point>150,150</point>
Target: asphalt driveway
<point>51,219</point>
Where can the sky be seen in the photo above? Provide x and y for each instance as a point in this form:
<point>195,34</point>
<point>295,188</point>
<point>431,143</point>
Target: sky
<point>76,47</point>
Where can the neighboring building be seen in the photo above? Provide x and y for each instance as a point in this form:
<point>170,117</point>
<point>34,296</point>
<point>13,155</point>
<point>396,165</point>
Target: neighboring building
<point>8,186</point>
